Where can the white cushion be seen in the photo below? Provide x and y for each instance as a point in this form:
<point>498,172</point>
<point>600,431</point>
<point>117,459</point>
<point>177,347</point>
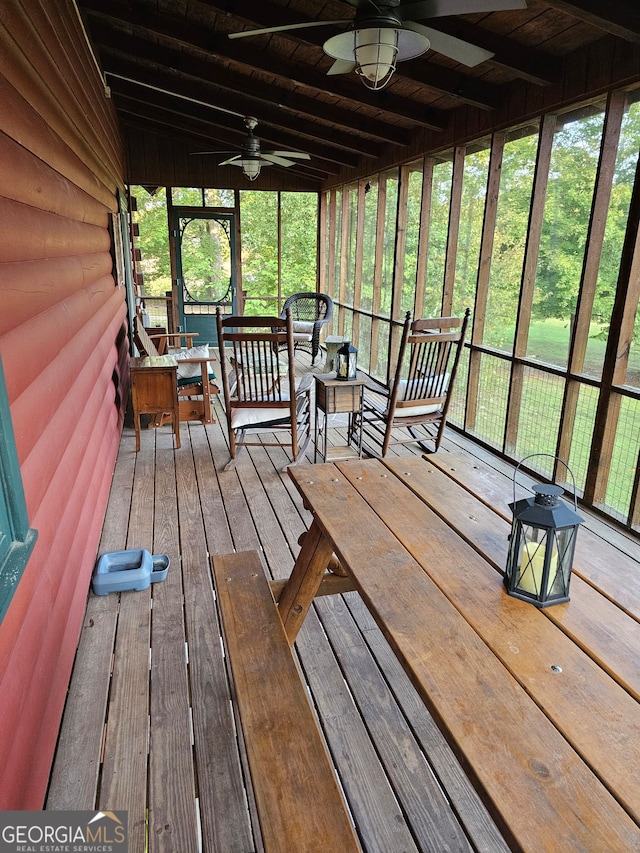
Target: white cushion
<point>242,417</point>
<point>254,417</point>
<point>302,330</point>
<point>192,371</point>
<point>406,386</point>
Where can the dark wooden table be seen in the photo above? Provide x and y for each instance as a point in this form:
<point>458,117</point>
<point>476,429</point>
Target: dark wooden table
<point>338,396</point>
<point>154,391</point>
<point>541,707</point>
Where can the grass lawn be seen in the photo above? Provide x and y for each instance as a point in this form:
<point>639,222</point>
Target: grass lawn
<point>541,408</point>
<point>549,343</point>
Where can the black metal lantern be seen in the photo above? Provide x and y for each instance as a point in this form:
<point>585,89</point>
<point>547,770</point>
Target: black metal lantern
<point>346,362</point>
<point>542,544</point>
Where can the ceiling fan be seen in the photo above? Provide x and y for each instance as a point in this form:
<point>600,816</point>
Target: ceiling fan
<point>384,32</point>
<point>251,159</point>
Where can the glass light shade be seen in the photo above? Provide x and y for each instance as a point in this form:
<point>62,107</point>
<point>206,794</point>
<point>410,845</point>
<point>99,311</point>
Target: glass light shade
<point>250,167</point>
<point>541,548</point>
<point>346,362</point>
<point>375,51</point>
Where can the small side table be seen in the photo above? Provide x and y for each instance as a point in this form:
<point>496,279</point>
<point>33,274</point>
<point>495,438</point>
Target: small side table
<point>154,390</point>
<point>335,396</point>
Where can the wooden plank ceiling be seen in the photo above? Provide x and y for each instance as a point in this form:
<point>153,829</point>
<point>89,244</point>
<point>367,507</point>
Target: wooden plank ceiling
<point>172,69</point>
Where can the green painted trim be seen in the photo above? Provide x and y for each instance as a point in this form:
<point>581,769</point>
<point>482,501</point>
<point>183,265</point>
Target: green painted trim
<point>19,534</point>
<point>12,568</point>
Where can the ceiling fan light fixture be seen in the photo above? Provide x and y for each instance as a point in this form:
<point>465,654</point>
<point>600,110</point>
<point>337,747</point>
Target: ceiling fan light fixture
<point>376,50</point>
<point>250,167</point>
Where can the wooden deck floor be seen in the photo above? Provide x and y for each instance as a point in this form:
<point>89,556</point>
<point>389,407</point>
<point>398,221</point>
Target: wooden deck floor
<point>149,723</point>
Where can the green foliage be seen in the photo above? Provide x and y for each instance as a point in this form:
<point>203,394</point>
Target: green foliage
<point>298,244</point>
<point>259,228</point>
<point>389,237</point>
<point>299,250</point>
<point>473,201</point>
<point>437,246</point>
<point>509,240</point>
<point>567,211</point>
<point>369,245</point>
<point>206,258</point>
<point>153,240</point>
<point>205,249</point>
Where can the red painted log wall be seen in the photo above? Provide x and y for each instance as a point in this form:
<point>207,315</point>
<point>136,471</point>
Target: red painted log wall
<point>62,341</point>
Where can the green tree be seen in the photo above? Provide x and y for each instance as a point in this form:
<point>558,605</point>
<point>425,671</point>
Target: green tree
<point>299,250</point>
<point>153,239</point>
<point>567,211</point>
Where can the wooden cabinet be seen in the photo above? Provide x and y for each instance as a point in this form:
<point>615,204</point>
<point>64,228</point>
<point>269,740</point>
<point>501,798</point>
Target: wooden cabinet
<point>336,396</point>
<point>154,391</point>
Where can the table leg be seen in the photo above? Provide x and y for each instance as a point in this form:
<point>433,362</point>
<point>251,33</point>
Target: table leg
<point>304,581</point>
<point>136,423</point>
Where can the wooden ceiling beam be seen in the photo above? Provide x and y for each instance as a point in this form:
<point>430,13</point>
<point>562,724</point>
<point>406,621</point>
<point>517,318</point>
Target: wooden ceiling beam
<point>212,129</point>
<point>441,80</point>
<point>525,62</point>
<point>195,139</point>
<point>174,30</point>
<point>621,18</point>
<point>118,56</point>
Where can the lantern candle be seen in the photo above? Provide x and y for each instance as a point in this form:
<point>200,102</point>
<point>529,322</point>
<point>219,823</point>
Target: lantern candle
<point>532,567</point>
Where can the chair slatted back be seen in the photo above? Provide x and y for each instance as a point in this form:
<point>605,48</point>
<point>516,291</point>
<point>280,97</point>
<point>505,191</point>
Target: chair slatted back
<point>256,380</point>
<point>145,345</point>
<point>260,378</point>
<point>428,359</point>
<point>257,366</point>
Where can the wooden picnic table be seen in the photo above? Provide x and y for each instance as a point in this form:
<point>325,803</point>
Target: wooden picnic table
<point>540,706</point>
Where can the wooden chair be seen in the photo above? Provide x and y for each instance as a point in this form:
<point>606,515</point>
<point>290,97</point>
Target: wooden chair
<point>420,392</point>
<point>310,312</point>
<point>260,389</point>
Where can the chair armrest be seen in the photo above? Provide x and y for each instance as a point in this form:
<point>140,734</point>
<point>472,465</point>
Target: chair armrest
<point>376,386</point>
<point>305,383</point>
<point>187,335</point>
<point>198,360</point>
<point>167,339</point>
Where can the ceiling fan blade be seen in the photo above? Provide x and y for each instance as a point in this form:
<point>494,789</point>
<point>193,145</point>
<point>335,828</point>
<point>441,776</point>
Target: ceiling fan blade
<point>211,152</point>
<point>461,51</point>
<point>286,27</point>
<point>233,161</point>
<point>441,8</point>
<point>367,5</point>
<point>279,161</point>
<point>341,66</point>
<point>299,154</point>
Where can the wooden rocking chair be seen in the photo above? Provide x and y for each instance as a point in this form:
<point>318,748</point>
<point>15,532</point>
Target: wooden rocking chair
<point>420,392</point>
<point>260,390</point>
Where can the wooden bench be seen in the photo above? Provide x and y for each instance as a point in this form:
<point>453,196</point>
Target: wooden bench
<point>198,386</point>
<point>298,799</point>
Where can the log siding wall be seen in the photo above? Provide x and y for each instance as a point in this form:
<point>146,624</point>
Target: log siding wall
<point>64,346</point>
